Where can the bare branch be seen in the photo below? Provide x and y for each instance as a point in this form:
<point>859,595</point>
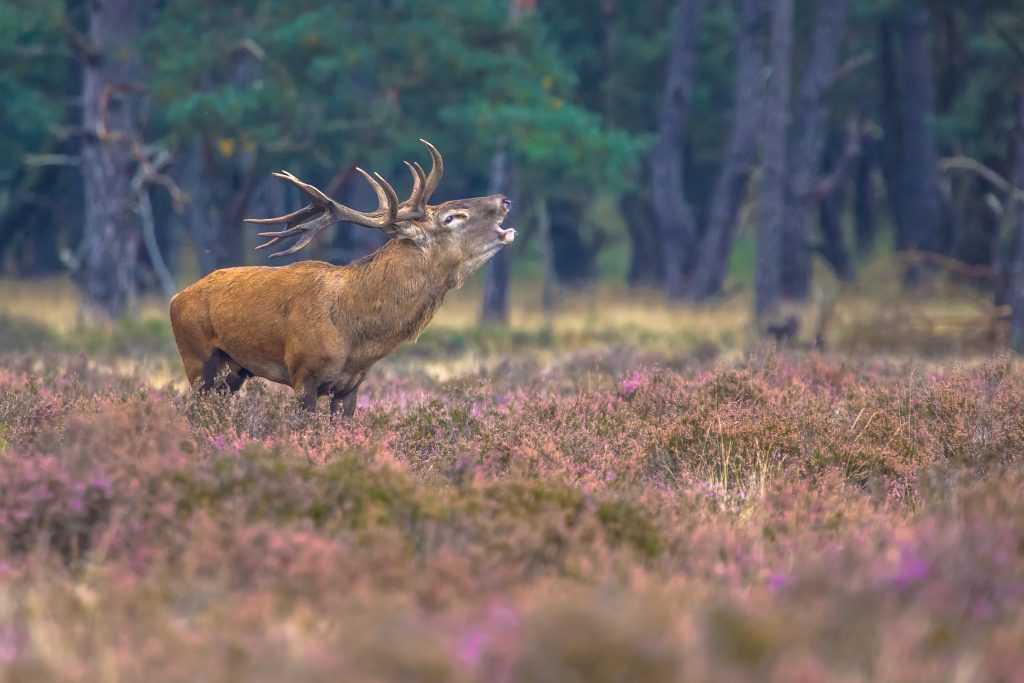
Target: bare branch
<point>846,69</point>
<point>79,42</point>
<point>826,185</point>
<point>52,160</point>
<point>964,163</point>
<point>150,162</point>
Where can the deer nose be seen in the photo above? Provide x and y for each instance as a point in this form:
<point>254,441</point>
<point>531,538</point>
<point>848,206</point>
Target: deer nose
<point>506,202</point>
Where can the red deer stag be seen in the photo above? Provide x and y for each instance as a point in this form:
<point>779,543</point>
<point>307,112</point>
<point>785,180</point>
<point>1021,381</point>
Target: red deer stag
<point>318,327</point>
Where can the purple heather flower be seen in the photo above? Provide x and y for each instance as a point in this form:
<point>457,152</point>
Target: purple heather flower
<point>101,483</point>
<point>779,581</point>
<point>912,569</point>
<point>631,383</point>
<point>470,648</point>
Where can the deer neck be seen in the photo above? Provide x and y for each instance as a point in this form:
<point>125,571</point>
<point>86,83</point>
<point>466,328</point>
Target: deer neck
<point>402,285</point>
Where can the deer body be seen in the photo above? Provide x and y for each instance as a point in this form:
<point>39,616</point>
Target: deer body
<point>319,328</point>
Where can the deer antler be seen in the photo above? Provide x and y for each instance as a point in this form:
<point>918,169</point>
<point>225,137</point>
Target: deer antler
<point>423,186</point>
<point>322,211</point>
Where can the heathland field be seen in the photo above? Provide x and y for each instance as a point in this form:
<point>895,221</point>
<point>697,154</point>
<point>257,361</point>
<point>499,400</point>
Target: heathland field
<point>624,492</point>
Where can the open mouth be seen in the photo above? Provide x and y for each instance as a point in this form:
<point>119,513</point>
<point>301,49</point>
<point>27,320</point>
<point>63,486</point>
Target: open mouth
<point>505,235</point>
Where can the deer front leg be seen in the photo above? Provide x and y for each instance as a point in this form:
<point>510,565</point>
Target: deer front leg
<point>308,368</point>
<point>306,394</point>
<point>307,387</point>
<point>346,399</point>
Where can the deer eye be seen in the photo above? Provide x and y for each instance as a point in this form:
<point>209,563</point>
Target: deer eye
<point>452,216</point>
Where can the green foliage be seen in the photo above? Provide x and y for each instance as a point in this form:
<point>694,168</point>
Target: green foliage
<point>32,80</point>
<point>357,81</point>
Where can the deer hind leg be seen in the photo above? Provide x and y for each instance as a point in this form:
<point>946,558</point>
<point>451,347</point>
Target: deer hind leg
<point>213,368</point>
<point>236,378</point>
<point>236,374</point>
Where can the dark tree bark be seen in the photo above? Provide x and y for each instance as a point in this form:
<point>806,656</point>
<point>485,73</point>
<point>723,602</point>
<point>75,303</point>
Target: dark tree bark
<point>1017,269</point>
<point>549,287</point>
<point>204,222</point>
<point>740,156</point>
<point>890,154</point>
<point>864,199</point>
<point>28,229</point>
<point>646,265</point>
<point>575,257</point>
<point>112,103</point>
<point>772,199</point>
<point>833,244</point>
<point>810,132</point>
<point>498,269</point>
<point>673,214</point>
<point>919,170</point>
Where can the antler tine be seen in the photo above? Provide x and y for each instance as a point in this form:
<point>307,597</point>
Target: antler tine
<point>417,184</point>
<point>387,207</point>
<point>392,196</point>
<point>414,207</point>
<point>293,218</point>
<point>308,230</point>
<point>436,171</point>
<point>318,197</point>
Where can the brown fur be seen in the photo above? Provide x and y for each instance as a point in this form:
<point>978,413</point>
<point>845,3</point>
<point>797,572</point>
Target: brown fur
<point>318,327</point>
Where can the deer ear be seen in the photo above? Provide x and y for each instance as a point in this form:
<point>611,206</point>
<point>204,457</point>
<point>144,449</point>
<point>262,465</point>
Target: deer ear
<point>408,230</point>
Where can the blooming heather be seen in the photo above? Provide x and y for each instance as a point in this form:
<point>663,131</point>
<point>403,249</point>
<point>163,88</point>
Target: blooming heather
<point>777,518</point>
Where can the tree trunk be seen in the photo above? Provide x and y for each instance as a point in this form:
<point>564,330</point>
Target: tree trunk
<point>864,199</point>
<point>646,266</point>
<point>890,155</point>
<point>833,243</point>
<point>810,131</point>
<point>674,217</point>
<point>550,283</point>
<point>203,217</point>
<point>740,156</point>
<point>1017,270</point>
<point>112,103</point>
<point>919,182</point>
<point>772,199</point>
<point>497,271</point>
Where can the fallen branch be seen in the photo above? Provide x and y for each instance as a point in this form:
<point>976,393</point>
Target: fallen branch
<point>966,270</point>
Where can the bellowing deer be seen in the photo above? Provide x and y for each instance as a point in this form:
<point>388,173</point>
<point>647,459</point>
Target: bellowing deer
<point>318,327</point>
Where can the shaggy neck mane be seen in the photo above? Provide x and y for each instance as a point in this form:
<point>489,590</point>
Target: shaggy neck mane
<point>402,285</point>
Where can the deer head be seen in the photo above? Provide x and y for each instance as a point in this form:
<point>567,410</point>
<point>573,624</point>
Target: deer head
<point>469,228</point>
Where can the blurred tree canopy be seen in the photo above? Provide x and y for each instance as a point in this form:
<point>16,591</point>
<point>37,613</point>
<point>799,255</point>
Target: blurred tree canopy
<point>570,91</point>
